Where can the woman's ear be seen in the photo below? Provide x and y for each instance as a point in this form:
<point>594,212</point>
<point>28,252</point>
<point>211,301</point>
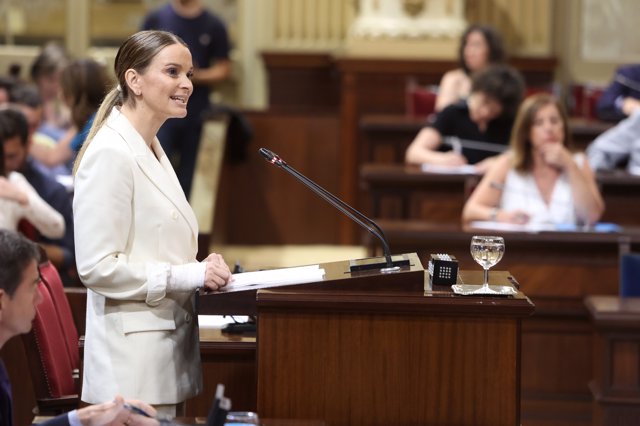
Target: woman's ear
<point>133,81</point>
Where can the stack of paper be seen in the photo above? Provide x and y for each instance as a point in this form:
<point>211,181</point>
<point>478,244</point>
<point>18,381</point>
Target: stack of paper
<point>275,278</point>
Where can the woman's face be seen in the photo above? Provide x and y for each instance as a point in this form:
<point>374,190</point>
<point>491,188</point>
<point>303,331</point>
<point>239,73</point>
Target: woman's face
<point>166,85</point>
<point>476,51</point>
<point>547,127</point>
<point>483,108</point>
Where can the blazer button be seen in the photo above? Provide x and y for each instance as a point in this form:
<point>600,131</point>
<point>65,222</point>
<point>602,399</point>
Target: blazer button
<point>187,318</point>
<point>174,215</point>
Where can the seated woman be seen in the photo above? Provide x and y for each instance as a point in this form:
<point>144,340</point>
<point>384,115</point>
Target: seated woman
<point>538,180</point>
<point>486,117</point>
<point>480,46</point>
<point>84,83</point>
<point>18,199</point>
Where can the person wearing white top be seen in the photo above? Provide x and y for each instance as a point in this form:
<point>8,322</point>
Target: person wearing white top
<point>538,180</point>
<point>136,236</point>
<point>18,200</point>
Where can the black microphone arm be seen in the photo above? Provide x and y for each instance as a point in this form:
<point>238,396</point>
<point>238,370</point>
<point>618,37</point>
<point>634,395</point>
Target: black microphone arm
<point>389,264</point>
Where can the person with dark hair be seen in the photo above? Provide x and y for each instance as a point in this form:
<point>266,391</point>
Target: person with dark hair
<point>6,85</point>
<point>84,84</point>
<point>480,46</point>
<point>61,251</point>
<point>19,297</point>
<point>481,123</point>
<point>137,236</point>
<point>622,97</point>
<point>539,180</point>
<point>207,38</point>
<point>45,74</point>
<point>18,199</point>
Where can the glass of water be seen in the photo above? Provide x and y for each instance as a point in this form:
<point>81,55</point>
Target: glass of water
<point>487,251</point>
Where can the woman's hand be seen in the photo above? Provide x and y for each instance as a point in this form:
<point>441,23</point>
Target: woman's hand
<point>11,192</point>
<point>556,155</point>
<point>217,273</point>
<point>116,414</point>
<point>518,217</point>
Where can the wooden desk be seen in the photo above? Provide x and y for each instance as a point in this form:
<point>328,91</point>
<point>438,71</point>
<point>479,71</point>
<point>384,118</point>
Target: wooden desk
<point>400,191</point>
<point>385,137</point>
<point>404,191</point>
<point>381,358</point>
<point>616,347</point>
<point>621,194</point>
<point>556,270</point>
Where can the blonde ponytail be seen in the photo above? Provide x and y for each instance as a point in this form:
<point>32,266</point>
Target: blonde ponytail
<point>112,99</point>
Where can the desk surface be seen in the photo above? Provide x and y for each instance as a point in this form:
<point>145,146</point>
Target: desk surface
<point>623,312</point>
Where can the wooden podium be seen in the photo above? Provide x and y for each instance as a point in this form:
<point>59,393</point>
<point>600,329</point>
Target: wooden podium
<point>379,349</point>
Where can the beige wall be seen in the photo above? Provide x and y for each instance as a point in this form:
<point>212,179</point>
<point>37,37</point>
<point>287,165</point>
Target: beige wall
<point>530,27</point>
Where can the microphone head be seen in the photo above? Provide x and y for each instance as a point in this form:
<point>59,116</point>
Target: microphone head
<point>271,157</point>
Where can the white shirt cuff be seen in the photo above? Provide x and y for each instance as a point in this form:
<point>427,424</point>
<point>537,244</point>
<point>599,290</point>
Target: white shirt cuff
<point>74,420</point>
<point>186,277</point>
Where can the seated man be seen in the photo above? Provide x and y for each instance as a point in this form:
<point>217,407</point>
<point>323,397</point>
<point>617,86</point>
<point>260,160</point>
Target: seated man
<point>622,96</point>
<point>19,296</point>
<point>486,116</point>
<point>618,146</point>
<point>16,144</point>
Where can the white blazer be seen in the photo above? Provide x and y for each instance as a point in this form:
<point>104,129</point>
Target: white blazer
<point>132,221</point>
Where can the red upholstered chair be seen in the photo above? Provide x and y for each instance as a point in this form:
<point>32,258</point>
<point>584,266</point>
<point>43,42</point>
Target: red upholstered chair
<point>53,373</point>
<point>51,279</point>
<point>421,101</point>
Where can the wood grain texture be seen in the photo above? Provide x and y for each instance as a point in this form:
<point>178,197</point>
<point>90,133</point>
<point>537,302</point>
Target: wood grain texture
<point>381,368</point>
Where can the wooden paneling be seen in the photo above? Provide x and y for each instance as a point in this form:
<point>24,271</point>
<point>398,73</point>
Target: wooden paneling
<point>376,359</point>
<point>263,204</point>
<point>230,360</point>
<point>616,370</point>
<point>556,270</point>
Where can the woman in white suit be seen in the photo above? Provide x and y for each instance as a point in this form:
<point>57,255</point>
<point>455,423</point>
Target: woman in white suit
<point>136,236</point>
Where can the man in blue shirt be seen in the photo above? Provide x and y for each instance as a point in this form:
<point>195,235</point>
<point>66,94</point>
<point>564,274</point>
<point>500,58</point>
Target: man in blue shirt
<point>208,41</point>
<point>622,97</point>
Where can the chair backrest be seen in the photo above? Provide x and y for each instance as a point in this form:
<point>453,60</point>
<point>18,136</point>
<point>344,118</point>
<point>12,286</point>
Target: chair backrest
<point>583,99</point>
<point>51,279</point>
<point>45,346</point>
<point>420,100</point>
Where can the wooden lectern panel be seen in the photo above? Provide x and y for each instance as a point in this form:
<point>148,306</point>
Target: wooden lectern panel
<point>337,276</point>
<point>379,358</point>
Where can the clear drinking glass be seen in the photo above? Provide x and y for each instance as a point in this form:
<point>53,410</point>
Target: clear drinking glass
<point>487,251</point>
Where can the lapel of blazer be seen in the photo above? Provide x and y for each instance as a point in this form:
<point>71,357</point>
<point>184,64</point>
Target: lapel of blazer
<point>158,170</point>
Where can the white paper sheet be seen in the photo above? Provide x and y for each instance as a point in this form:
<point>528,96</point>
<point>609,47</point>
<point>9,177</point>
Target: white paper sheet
<point>274,278</point>
<point>467,169</point>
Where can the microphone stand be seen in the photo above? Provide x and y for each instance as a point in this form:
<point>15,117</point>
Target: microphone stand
<point>389,264</point>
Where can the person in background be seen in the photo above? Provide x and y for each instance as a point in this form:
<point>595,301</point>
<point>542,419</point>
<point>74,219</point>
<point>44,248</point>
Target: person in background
<point>622,97</point>
<point>61,251</point>
<point>485,116</point>
<point>480,46</point>
<point>618,146</point>
<point>6,85</point>
<point>137,236</point>
<point>538,180</point>
<point>18,199</point>
<point>19,297</point>
<point>45,74</point>
<point>84,83</point>
<point>208,41</point>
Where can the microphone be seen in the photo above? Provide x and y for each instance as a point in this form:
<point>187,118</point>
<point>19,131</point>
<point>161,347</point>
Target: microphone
<point>457,144</point>
<point>388,264</point>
